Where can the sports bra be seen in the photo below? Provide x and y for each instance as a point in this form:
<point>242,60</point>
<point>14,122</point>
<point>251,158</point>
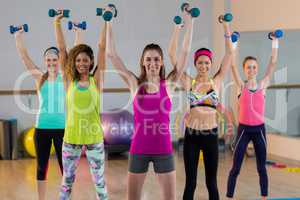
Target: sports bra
<point>208,99</point>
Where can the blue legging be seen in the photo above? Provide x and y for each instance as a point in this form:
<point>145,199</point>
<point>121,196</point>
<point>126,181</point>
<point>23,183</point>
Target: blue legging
<point>256,134</point>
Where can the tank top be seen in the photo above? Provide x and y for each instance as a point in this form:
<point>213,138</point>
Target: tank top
<point>51,114</point>
<point>83,114</point>
<point>151,122</point>
<point>252,107</point>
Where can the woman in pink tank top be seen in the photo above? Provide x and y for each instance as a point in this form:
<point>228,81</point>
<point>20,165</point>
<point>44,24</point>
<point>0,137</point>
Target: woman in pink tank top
<point>251,119</point>
<point>151,90</point>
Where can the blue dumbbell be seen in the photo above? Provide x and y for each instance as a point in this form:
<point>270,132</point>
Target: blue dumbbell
<point>227,18</point>
<point>177,20</point>
<point>194,12</point>
<point>107,15</point>
<point>53,13</point>
<point>235,36</point>
<point>13,29</point>
<point>81,25</point>
<point>277,34</point>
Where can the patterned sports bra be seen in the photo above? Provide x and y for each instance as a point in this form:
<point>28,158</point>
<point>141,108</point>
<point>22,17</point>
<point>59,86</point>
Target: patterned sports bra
<point>208,99</point>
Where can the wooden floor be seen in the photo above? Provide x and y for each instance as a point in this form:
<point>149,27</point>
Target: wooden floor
<point>17,180</point>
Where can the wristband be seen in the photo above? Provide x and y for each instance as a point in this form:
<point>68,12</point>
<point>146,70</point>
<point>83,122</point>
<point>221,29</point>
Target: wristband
<point>275,44</point>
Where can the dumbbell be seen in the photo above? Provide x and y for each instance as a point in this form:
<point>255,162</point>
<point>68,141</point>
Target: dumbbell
<point>235,36</point>
<point>106,14</point>
<point>177,20</point>
<point>227,18</point>
<point>53,13</point>
<point>277,34</point>
<point>81,25</point>
<point>194,12</point>
<point>14,29</point>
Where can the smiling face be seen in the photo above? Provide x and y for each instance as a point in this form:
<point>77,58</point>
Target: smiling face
<point>250,68</point>
<point>152,62</point>
<point>52,62</point>
<point>83,63</point>
<point>203,64</point>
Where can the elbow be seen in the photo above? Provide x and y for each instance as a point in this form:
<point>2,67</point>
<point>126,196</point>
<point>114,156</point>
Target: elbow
<point>229,51</point>
<point>61,48</point>
<point>111,55</point>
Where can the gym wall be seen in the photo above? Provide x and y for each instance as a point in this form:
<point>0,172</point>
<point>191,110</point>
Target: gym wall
<point>139,22</point>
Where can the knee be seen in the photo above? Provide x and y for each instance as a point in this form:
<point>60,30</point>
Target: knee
<point>191,184</point>
<point>234,172</point>
<point>68,180</point>
<point>211,184</point>
<point>262,171</point>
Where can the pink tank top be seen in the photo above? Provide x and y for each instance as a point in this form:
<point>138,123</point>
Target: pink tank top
<point>151,122</point>
<point>252,107</point>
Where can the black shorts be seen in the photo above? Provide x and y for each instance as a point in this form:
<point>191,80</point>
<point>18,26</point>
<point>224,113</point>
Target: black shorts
<point>162,163</point>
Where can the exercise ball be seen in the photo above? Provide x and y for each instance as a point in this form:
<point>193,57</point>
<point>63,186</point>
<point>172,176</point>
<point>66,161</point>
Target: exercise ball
<point>28,142</point>
<point>118,126</point>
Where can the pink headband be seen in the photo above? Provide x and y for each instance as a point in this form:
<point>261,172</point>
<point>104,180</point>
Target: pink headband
<point>202,53</point>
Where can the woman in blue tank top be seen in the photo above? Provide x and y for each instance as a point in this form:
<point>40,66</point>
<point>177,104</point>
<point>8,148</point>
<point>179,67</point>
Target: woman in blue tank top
<point>50,120</point>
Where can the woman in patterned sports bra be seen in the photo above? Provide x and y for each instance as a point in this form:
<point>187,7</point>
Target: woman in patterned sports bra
<point>201,122</point>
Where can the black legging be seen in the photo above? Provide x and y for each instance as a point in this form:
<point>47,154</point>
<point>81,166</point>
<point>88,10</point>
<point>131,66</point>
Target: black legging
<point>207,141</point>
<point>43,141</point>
<point>256,134</point>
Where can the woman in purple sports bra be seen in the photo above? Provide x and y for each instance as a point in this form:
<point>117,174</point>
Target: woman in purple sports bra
<point>151,141</point>
<point>201,121</point>
<point>251,119</point>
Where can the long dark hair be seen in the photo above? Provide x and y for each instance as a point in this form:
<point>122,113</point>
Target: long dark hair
<point>143,77</point>
<point>46,74</point>
<point>71,71</point>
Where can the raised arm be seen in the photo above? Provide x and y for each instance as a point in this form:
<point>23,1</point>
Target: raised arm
<point>173,44</point>
<point>272,64</point>
<point>181,65</point>
<point>78,36</point>
<point>226,61</point>
<point>61,44</point>
<point>234,68</point>
<point>31,67</point>
<point>100,69</point>
<point>129,78</point>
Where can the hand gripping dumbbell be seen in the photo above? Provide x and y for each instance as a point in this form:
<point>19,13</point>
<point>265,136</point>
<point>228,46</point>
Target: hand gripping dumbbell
<point>194,12</point>
<point>227,18</point>
<point>53,13</point>
<point>277,34</point>
<point>14,29</point>
<point>107,14</point>
<point>81,25</point>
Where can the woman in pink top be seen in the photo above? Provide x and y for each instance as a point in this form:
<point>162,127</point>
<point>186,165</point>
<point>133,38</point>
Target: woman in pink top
<point>251,119</point>
<point>151,105</point>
